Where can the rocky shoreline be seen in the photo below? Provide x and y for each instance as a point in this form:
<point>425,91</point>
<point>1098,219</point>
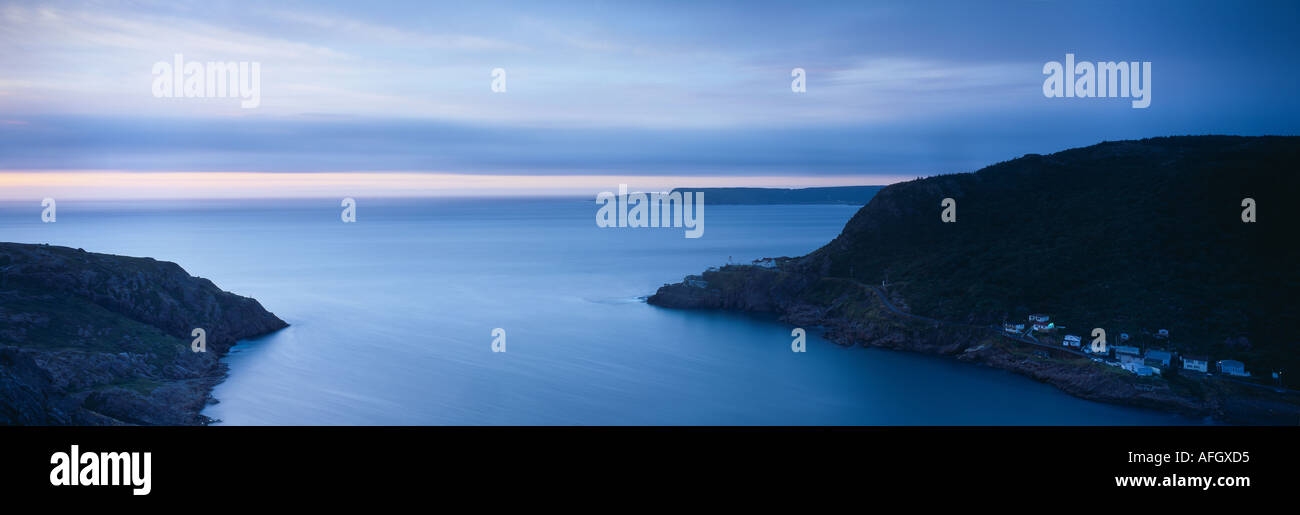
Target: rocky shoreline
<point>1077,234</point>
<point>848,315</point>
<point>98,339</point>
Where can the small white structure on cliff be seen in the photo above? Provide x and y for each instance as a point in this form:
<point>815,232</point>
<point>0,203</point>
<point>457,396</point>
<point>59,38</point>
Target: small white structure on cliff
<point>1140,369</point>
<point>1197,363</point>
<point>1127,350</point>
<point>1126,354</point>
<point>1158,355</point>
<point>1233,367</point>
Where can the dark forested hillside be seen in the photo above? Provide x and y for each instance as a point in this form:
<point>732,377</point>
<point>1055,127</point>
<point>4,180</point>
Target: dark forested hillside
<point>1130,236</point>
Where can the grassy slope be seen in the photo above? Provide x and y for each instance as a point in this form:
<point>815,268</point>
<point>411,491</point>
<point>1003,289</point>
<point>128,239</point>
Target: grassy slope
<point>80,325</point>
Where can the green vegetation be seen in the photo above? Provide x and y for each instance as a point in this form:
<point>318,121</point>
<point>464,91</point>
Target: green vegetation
<point>78,324</point>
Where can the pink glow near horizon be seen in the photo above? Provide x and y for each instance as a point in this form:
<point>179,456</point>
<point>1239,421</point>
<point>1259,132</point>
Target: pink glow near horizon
<point>106,185</point>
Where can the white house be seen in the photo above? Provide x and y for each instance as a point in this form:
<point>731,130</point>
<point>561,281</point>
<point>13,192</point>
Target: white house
<point>1039,318</point>
<point>1158,355</point>
<point>1197,363</point>
<point>1139,369</point>
<point>1013,328</point>
<point>1125,350</point>
<point>1071,341</point>
<point>1233,367</point>
<point>1127,354</point>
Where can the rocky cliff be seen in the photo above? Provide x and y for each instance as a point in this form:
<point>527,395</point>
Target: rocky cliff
<point>98,339</point>
<point>1128,236</point>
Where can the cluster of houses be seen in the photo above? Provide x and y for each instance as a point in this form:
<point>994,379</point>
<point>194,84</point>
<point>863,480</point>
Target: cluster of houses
<point>1125,355</point>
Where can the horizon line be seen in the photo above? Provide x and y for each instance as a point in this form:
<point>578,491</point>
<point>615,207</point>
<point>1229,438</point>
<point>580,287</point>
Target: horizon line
<point>20,185</point>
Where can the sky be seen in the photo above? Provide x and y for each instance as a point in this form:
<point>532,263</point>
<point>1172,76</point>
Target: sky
<point>396,97</point>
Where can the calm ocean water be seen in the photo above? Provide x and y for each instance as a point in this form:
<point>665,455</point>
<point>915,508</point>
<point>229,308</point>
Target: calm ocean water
<point>391,318</point>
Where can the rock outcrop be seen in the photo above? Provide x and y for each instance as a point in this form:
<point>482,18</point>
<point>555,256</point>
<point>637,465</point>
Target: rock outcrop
<point>99,339</point>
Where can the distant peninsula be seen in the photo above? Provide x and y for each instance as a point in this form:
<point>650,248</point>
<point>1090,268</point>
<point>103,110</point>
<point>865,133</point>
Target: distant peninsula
<point>1156,242</point>
<point>99,339</point>
<point>846,195</point>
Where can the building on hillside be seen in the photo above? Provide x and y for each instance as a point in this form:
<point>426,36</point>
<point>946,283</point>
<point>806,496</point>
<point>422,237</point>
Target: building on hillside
<point>1233,367</point>
<point>1163,357</point>
<point>1139,369</point>
<point>1197,363</point>
<point>1130,358</point>
<point>1071,340</point>
<point>1162,334</point>
<point>1125,350</point>
<point>1126,354</point>
<point>1039,318</point>
<point>1013,328</point>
